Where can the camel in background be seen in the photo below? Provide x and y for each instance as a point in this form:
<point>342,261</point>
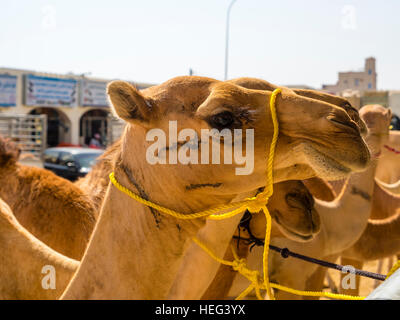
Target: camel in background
<point>391,187</point>
<point>50,207</point>
<point>304,200</point>
<point>388,170</point>
<point>292,209</point>
<point>23,258</point>
<point>381,237</point>
<point>350,211</point>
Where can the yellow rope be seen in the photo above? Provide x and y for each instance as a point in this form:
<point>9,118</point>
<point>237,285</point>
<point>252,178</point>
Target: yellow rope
<point>394,269</point>
<point>254,205</point>
<point>316,294</point>
<point>173,213</point>
<point>238,265</point>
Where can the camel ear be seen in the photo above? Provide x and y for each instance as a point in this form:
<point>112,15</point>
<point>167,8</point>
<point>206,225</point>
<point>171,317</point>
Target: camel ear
<point>128,103</point>
<point>389,111</point>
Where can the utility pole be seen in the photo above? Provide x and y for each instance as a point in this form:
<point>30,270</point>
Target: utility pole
<point>227,38</point>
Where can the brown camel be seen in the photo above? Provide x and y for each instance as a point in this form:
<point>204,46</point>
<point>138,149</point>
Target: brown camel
<point>51,208</point>
<point>95,183</point>
<point>350,211</point>
<point>211,233</point>
<point>381,237</point>
<point>198,103</point>
<point>389,170</point>
<point>23,259</point>
<point>183,94</point>
<point>28,248</point>
<point>391,187</point>
<point>299,198</point>
<point>291,206</point>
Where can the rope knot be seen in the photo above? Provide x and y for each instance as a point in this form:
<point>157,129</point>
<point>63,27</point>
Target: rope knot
<point>257,203</point>
<point>240,266</point>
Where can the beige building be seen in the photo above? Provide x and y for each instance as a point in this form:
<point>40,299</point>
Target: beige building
<point>76,106</point>
<point>394,102</point>
<point>360,81</point>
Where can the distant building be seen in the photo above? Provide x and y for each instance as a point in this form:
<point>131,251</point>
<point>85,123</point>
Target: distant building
<point>375,97</point>
<point>360,81</point>
<point>76,106</point>
<point>299,86</point>
<point>394,102</point>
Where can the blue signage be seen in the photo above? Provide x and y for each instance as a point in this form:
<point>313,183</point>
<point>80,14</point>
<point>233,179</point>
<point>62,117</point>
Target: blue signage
<point>8,90</point>
<point>50,92</point>
<point>94,93</point>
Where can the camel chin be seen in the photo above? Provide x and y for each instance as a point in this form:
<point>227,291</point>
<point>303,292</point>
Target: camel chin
<point>324,165</point>
<point>292,234</point>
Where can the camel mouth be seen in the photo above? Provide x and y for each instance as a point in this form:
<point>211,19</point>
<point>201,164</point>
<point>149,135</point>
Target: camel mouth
<point>293,234</point>
<point>348,125</point>
<point>324,164</point>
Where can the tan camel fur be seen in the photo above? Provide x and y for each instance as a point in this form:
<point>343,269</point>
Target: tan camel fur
<point>381,237</point>
<point>117,257</point>
<point>98,177</point>
<point>291,206</point>
<point>361,154</point>
<point>211,233</point>
<point>391,187</point>
<point>296,219</point>
<point>18,288</point>
<point>95,183</point>
<point>299,199</point>
<point>23,258</point>
<point>350,211</point>
<point>296,216</point>
<point>340,168</point>
<point>51,208</point>
<point>388,170</point>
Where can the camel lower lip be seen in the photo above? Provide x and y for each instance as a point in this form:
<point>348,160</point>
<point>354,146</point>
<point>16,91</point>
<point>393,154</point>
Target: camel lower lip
<point>333,163</point>
<point>303,237</point>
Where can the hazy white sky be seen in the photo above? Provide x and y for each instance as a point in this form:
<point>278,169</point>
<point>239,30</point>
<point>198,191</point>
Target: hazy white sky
<point>285,41</point>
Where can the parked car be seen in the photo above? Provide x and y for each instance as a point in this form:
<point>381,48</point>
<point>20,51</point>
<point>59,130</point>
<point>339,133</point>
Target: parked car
<point>70,163</point>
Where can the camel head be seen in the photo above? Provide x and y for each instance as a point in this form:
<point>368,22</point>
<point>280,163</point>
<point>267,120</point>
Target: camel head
<point>292,208</point>
<point>259,84</point>
<point>315,137</point>
<point>377,119</point>
<point>9,152</point>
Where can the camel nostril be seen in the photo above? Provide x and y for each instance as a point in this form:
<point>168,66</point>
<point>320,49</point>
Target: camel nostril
<point>315,222</point>
<point>338,121</point>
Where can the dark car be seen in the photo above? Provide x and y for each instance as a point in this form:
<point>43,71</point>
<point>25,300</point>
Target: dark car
<point>70,163</point>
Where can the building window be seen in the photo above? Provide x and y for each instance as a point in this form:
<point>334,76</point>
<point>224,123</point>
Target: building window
<point>356,82</point>
<point>369,71</point>
<point>369,85</point>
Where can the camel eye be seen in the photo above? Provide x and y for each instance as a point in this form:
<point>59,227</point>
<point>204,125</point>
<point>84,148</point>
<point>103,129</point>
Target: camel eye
<point>222,120</point>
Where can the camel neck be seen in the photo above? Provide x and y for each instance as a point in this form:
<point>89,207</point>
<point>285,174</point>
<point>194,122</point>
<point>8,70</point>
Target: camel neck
<point>131,244</point>
<point>135,252</point>
<point>346,217</point>
<point>19,248</point>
